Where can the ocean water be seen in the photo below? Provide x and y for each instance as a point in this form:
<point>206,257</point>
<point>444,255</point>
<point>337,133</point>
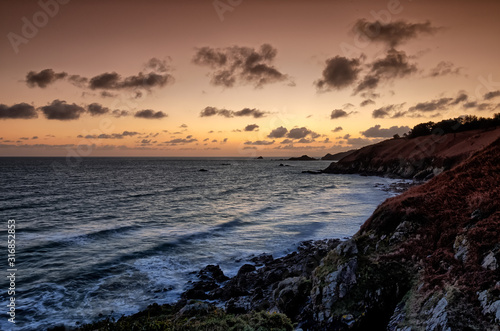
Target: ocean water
<point>110,236</point>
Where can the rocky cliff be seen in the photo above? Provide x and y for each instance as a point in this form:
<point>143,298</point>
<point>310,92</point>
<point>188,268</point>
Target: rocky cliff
<point>420,158</point>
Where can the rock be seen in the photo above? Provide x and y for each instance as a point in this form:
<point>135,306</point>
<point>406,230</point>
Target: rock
<point>212,272</point>
<point>302,158</point>
<point>260,158</point>
<point>347,248</point>
<point>262,259</point>
<point>490,261</point>
<point>461,247</point>
<point>312,172</point>
<point>246,268</point>
<point>203,170</point>
<point>198,308</point>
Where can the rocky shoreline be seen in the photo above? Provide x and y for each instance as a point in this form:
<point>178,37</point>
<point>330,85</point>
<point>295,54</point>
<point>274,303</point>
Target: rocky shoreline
<point>427,259</point>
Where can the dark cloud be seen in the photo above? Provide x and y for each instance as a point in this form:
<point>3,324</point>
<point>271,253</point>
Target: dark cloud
<point>113,81</point>
<point>278,132</point>
<point>287,141</point>
<point>491,95</point>
<point>378,132</point>
<point>305,141</point>
<point>60,110</point>
<point>340,72</point>
<point>359,141</point>
<point>180,141</point>
<point>480,106</point>
<point>299,133</point>
<point>156,76</point>
<point>462,97</point>
<point>444,68</point>
<point>18,111</point>
<point>183,126</point>
<point>388,111</point>
<point>394,33</point>
<point>212,111</point>
<point>240,65</point>
<point>150,114</point>
<point>337,129</point>
<point>96,109</point>
<point>110,136</point>
<point>106,94</point>
<point>43,78</point>
<point>366,102</point>
<point>251,127</point>
<point>394,65</point>
<point>259,142</point>
<point>439,104</point>
<point>338,113</point>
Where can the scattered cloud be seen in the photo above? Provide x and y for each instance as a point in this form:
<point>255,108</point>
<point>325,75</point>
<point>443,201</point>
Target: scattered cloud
<point>62,111</point>
<point>394,33</point>
<point>338,113</point>
<point>299,133</point>
<point>180,141</point>
<point>150,114</point>
<point>394,65</point>
<point>366,102</point>
<point>212,111</point>
<point>259,142</point>
<point>17,111</point>
<point>279,132</point>
<point>438,104</point>
<point>388,111</point>
<point>462,97</point>
<point>340,72</point>
<point>96,109</point>
<point>378,132</point>
<point>251,127</point>
<point>44,78</point>
<point>240,65</point>
<point>444,68</point>
<point>491,95</point>
<point>337,129</point>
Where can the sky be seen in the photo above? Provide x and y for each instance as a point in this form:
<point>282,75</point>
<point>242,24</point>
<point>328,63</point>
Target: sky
<point>238,78</point>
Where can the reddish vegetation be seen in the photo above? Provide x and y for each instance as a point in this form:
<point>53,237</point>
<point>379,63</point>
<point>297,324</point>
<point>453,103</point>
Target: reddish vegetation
<point>462,201</point>
<point>435,151</point>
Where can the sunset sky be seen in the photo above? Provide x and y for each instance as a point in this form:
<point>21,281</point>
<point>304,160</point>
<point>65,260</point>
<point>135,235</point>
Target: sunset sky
<point>238,77</point>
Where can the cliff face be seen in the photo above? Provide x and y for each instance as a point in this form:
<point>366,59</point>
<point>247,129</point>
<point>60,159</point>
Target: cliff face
<point>427,259</point>
<point>421,157</point>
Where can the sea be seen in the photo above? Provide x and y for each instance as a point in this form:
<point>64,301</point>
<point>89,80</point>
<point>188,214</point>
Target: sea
<point>106,237</point>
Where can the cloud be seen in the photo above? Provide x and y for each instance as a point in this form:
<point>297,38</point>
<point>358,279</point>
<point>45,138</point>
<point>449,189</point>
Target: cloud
<point>278,132</point>
<point>119,113</point>
<point>338,113</point>
<point>180,141</point>
<point>240,65</point>
<point>444,68</point>
<point>156,75</point>
<point>60,110</point>
<point>183,126</point>
<point>18,111</point>
<point>394,33</point>
<point>491,95</point>
<point>110,136</point>
<point>394,65</point>
<point>462,97</point>
<point>480,106</point>
<point>339,73</point>
<point>96,109</point>
<point>299,133</point>
<point>43,78</point>
<point>259,142</point>
<point>366,102</point>
<point>378,132</point>
<point>386,111</point>
<point>150,114</point>
<point>439,104</point>
<point>251,127</point>
<point>359,141</point>
<point>337,129</point>
<point>212,111</point>
<point>113,81</point>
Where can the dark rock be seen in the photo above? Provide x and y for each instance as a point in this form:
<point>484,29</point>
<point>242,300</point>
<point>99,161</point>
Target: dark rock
<point>246,268</point>
<point>262,259</point>
<point>203,170</point>
<point>302,158</point>
<point>260,158</point>
<point>212,272</point>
